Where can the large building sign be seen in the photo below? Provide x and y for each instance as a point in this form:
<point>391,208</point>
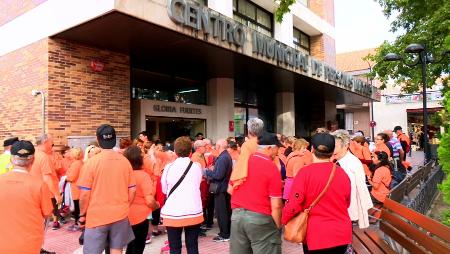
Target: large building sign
<point>222,28</point>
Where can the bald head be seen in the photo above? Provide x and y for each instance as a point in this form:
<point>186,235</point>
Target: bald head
<point>221,145</point>
<point>389,133</point>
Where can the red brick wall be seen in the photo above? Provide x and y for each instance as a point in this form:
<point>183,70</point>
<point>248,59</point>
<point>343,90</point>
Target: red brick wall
<point>21,71</point>
<point>324,9</point>
<point>323,48</point>
<point>81,99</point>
<point>10,9</point>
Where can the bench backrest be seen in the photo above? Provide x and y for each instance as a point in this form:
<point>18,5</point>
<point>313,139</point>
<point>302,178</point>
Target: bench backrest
<point>398,192</point>
<point>427,171</point>
<point>414,180</point>
<point>424,235</point>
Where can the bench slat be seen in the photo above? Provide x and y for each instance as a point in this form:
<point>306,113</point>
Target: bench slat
<point>358,246</point>
<point>367,242</point>
<point>432,226</point>
<point>400,238</point>
<point>414,233</point>
<point>375,236</point>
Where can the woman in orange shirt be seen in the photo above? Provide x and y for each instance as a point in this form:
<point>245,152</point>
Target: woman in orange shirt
<point>359,148</point>
<point>297,159</point>
<point>381,179</point>
<point>143,203</point>
<point>72,174</point>
<point>380,144</point>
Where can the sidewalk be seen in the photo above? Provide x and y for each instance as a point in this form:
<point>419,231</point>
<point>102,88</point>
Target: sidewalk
<point>63,241</point>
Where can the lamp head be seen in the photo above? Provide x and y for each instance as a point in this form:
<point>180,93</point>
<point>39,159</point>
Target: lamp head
<point>414,48</point>
<point>389,57</point>
<point>35,92</point>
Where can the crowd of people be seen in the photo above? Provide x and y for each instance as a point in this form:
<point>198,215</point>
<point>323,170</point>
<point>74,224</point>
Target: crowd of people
<point>121,197</point>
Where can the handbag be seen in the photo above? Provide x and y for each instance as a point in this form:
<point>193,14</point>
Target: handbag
<point>295,229</point>
<point>214,188</point>
<point>179,180</point>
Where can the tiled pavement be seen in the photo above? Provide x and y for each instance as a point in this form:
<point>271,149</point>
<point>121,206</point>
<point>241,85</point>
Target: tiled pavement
<point>63,241</point>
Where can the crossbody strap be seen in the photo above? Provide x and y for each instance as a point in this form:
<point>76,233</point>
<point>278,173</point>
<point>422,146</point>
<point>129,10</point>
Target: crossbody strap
<point>324,189</point>
<point>181,179</point>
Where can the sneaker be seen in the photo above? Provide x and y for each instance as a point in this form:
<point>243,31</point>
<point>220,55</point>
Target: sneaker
<point>148,239</point>
<point>62,220</point>
<point>74,227</point>
<point>202,233</point>
<point>56,225</point>
<point>206,227</point>
<point>157,233</point>
<point>219,239</point>
<point>165,248</point>
<point>47,252</point>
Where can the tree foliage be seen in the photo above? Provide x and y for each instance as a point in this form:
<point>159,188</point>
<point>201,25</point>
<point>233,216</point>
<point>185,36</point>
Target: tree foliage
<point>417,21</point>
<point>283,7</point>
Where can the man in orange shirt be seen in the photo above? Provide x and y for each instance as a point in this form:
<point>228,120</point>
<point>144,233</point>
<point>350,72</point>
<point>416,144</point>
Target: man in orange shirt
<point>25,203</point>
<point>107,188</point>
<point>44,167</point>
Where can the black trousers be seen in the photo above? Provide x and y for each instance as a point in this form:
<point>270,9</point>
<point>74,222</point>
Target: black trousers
<point>210,210</point>
<point>223,211</point>
<point>335,250</point>
<point>76,211</point>
<point>140,231</point>
<point>190,237</point>
<point>156,217</point>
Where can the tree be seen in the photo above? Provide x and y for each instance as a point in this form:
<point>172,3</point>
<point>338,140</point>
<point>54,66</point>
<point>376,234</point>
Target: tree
<point>418,21</point>
<point>283,7</point>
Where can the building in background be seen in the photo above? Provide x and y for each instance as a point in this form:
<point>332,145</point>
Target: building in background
<point>173,67</point>
<point>394,107</point>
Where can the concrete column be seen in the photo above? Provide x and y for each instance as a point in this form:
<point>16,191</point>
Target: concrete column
<point>284,31</point>
<point>221,99</point>
<point>330,110</point>
<point>285,110</point>
<point>225,7</point>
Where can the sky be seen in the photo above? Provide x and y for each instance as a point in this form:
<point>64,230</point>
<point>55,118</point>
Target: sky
<point>360,24</point>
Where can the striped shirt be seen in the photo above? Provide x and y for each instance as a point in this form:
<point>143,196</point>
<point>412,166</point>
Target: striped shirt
<point>396,146</point>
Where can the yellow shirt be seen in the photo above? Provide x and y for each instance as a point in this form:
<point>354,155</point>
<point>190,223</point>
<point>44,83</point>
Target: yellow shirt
<point>5,162</point>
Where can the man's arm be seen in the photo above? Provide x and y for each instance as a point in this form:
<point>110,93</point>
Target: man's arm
<point>54,189</point>
<point>219,171</point>
<point>401,154</point>
<point>85,197</point>
<point>131,194</point>
<point>276,205</point>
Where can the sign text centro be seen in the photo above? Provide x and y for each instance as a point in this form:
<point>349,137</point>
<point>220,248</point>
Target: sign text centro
<point>210,23</point>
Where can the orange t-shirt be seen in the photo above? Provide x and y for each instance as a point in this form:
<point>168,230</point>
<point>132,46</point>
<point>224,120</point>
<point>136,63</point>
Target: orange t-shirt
<point>108,176</point>
<point>25,201</point>
<point>383,148</point>
<point>72,176</point>
<point>44,165</point>
<point>382,176</point>
<point>296,161</point>
<point>234,154</point>
<point>139,211</point>
<point>148,165</point>
<point>65,164</point>
<point>200,158</point>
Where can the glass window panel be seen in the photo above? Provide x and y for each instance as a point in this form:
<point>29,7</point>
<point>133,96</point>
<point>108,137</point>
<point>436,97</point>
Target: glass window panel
<point>239,121</point>
<point>296,36</point>
<point>304,42</point>
<point>250,11</point>
<point>263,18</point>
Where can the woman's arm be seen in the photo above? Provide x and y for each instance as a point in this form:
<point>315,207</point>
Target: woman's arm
<point>294,205</point>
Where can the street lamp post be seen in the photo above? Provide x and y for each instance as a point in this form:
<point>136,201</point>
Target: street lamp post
<point>423,59</point>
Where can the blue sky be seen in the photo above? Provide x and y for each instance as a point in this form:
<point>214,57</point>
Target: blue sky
<point>360,24</point>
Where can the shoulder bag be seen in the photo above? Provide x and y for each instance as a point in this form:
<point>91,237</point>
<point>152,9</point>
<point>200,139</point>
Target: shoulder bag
<point>179,180</point>
<point>295,229</point>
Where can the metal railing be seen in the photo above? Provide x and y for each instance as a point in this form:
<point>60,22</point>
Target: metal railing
<point>428,191</point>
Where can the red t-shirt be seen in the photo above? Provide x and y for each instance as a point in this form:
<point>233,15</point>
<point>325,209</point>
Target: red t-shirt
<point>329,224</point>
<point>262,183</point>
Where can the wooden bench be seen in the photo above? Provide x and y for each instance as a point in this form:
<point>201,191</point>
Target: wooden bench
<point>411,231</point>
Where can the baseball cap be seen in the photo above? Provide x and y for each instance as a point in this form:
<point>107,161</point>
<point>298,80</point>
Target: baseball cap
<point>10,141</point>
<point>106,136</point>
<point>323,142</point>
<point>22,148</point>
<point>396,128</point>
<point>268,139</point>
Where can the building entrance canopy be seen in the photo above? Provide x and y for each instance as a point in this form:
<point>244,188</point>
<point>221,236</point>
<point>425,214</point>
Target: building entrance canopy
<point>167,51</point>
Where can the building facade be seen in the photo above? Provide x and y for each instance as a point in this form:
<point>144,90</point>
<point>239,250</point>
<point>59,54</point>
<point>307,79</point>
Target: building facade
<point>173,68</point>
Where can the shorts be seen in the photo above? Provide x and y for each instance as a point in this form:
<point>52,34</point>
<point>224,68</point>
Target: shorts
<point>117,235</point>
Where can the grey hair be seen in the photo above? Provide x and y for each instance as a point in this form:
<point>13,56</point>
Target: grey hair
<point>255,126</point>
<point>342,135</point>
<point>222,143</point>
<point>198,143</point>
<point>22,162</point>
<point>207,141</point>
<point>42,138</point>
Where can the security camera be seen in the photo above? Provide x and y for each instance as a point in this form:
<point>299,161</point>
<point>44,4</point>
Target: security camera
<point>35,92</point>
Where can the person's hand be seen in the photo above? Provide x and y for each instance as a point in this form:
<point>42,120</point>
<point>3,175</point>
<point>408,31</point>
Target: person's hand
<point>82,221</point>
<point>58,199</point>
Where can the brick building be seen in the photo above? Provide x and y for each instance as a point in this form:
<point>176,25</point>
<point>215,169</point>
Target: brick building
<point>172,67</point>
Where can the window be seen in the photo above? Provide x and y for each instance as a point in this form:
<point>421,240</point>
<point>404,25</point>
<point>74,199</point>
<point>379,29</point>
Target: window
<point>253,16</point>
<point>301,39</point>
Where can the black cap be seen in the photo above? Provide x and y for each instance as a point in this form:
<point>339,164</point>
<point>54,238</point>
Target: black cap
<point>323,142</point>
<point>106,136</point>
<point>22,148</point>
<point>396,128</point>
<point>269,139</point>
<point>10,141</point>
